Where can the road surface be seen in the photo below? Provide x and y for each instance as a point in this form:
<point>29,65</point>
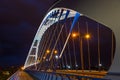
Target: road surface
<point>21,75</point>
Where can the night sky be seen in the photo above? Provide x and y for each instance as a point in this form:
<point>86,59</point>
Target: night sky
<point>19,21</point>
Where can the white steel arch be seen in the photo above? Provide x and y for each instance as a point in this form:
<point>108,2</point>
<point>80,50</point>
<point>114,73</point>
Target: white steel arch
<point>46,23</point>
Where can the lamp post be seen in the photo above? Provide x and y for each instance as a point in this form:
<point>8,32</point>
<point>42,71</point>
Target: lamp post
<point>74,35</point>
<point>55,52</point>
<point>89,61</point>
<point>81,54</point>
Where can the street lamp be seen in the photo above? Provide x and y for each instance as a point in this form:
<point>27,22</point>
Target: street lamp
<point>68,66</point>
<point>48,51</point>
<point>55,52</point>
<point>56,57</point>
<point>74,35</point>
<point>87,36</point>
<point>76,65</point>
<point>99,66</point>
<point>89,61</point>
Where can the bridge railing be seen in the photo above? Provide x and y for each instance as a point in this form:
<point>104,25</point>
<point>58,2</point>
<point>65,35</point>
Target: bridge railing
<point>60,76</point>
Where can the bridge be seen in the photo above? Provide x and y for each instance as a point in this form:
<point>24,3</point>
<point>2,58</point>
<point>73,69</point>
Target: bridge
<point>70,46</point>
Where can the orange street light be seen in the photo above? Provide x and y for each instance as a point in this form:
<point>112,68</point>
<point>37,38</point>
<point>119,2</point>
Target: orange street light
<point>47,51</point>
<point>22,68</point>
<point>55,51</point>
<point>74,35</point>
<point>87,36</point>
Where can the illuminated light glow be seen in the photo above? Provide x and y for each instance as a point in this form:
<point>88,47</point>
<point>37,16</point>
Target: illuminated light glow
<point>100,64</point>
<point>22,68</point>
<point>74,35</point>
<point>56,57</point>
<point>76,65</point>
<point>68,67</point>
<point>48,51</point>
<point>55,51</point>
<point>87,36</point>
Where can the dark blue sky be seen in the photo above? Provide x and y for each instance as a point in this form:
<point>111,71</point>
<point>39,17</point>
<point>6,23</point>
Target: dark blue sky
<point>19,21</point>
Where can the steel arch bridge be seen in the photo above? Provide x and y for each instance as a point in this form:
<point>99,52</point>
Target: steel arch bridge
<point>43,54</point>
<point>99,13</point>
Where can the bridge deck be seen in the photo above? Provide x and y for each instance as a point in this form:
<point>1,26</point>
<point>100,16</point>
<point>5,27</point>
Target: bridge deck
<point>65,74</point>
<point>21,75</point>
